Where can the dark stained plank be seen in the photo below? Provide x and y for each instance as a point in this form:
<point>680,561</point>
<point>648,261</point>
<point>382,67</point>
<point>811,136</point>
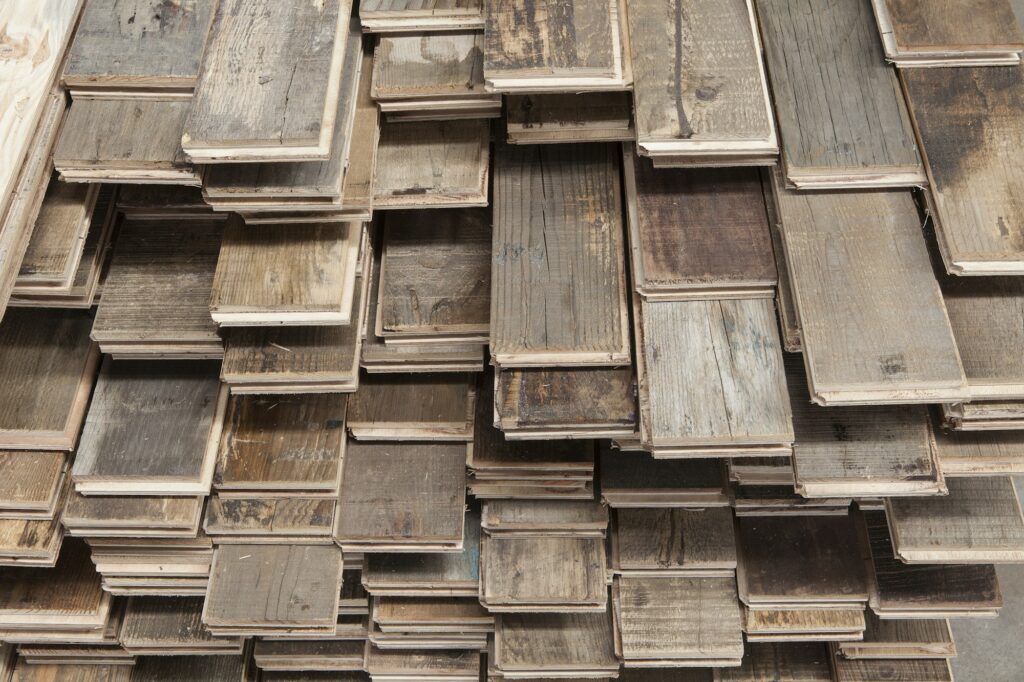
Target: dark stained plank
<point>543,573</point>
<point>413,406</point>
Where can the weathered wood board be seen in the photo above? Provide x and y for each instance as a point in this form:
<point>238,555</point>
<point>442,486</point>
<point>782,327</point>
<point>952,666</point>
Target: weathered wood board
<point>542,572</point>
<point>407,407</point>
<point>387,16</point>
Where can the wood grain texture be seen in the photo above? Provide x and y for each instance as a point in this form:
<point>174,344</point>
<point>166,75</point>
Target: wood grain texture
<point>677,619</point>
<point>558,277</point>
<point>268,585</point>
<point>151,429</point>
<point>965,118</point>
<point>639,473</point>
<point>552,642</point>
<point>561,117</point>
<point>157,290</point>
<point>697,233</point>
<point>269,518</point>
<point>954,26</point>
<point>808,559</point>
<point>30,481</point>
<point>301,275</point>
<point>428,65</point>
<point>139,44</point>
<point>68,596</point>
<point>59,235</point>
<point>840,111</point>
<point>935,670</point>
<point>435,15</point>
<point>284,62</point>
<point>674,540</point>
<point>577,400</point>
<point>402,493</point>
<point>708,54</point>
<point>163,514</point>
<point>902,638</point>
<point>932,590</point>
<point>979,521</point>
<point>48,365</point>
<point>410,406</point>
<point>790,662</point>
<point>543,573</point>
<point>436,273</point>
<point>70,672</point>
<point>873,324</point>
<point>987,317</point>
<point>965,453</point>
<point>432,164</point>
<point>423,665</point>
<point>711,374</point>
<point>532,516</point>
<point>152,623</point>
<point>862,450</point>
<point>171,668</point>
<point>285,442</point>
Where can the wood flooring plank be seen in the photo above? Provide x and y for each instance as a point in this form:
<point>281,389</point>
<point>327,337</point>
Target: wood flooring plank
<point>288,75</point>
<point>962,453</point>
<point>716,100</point>
<point>285,442</point>
<point>170,668</point>
<point>653,541</point>
<point>153,623</point>
<point>48,365</point>
<point>432,164</point>
<point>85,515</point>
<point>387,16</point>
<point>59,235</point>
<point>68,596</point>
<point>965,119</point>
<point>30,481</point>
<point>949,29</point>
<point>558,278</point>
<point>413,406</point>
<point>841,114</point>
<point>151,428</point>
<point>270,519</point>
<point>712,375</point>
<point>538,643</point>
<point>790,662</point>
<point>127,44</point>
<point>566,118</point>
<point>935,670</point>
<point>543,573</point>
<point>72,672</point>
<point>697,233</point>
<point>873,324</point>
<point>428,65</point>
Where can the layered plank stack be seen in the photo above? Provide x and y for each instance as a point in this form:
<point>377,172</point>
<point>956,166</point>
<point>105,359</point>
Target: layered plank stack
<point>480,340</point>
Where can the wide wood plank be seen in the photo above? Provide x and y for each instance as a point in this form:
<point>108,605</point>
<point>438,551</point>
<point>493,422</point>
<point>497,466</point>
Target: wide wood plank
<point>270,519</point>
<point>407,15</point>
<point>873,324</point>
<point>413,406</point>
<point>566,118</point>
<point>947,32</point>
<point>284,63</point>
<point>59,235</point>
<point>964,453</point>
<point>543,573</point>
<point>428,65</point>
<point>935,670</point>
<point>128,44</point>
<point>554,642</point>
<point>841,115</point>
<point>789,662</point>
<point>669,541</point>
<point>699,84</point>
<point>30,481</point>
<point>558,278</point>
<point>966,120</point>
<point>697,233</point>
<point>155,623</point>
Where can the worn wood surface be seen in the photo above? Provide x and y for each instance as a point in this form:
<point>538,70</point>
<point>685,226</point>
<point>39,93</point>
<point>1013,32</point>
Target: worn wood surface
<point>48,365</point>
<point>402,493</point>
<point>873,324</point>
<point>562,117</point>
<point>805,559</point>
<point>673,540</point>
<point>965,453</point>
<point>67,596</point>
<point>542,573</point>
<point>284,442</point>
<point>436,273</point>
<point>790,662</point>
<point>965,119</point>
<point>711,375</point>
<point>432,164</point>
<point>531,516</point>
<point>304,274</point>
<point>902,638</point>
<point>979,521</point>
<point>840,111</point>
<point>157,290</point>
<point>550,642</point>
<point>267,585</point>
<point>171,668</point>
<point>428,65</point>
<point>640,474</point>
<point>575,400</point>
<point>953,27</point>
<point>699,84</point>
<point>435,15</point>
<point>59,235</point>
<point>558,292</point>
<point>151,429</point>
<point>288,75</point>
<point>153,623</point>
<point>270,518</point>
<point>934,670</point>
<point>413,406</point>
<point>697,233</point>
<point>139,44</point>
<point>71,672</point>
<point>167,514</point>
<point>30,481</point>
<point>455,665</point>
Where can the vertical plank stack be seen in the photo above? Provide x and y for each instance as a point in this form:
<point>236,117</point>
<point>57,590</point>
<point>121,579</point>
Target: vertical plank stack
<point>481,340</point>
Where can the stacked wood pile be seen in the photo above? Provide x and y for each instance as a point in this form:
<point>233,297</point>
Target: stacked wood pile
<point>474,340</point>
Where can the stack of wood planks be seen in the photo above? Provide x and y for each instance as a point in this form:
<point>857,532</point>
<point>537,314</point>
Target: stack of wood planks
<point>485,340</point>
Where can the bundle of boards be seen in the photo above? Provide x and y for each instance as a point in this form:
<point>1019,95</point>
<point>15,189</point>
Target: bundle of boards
<point>485,340</point>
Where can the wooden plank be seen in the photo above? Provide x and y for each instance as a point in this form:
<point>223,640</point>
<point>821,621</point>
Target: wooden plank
<point>841,115</point>
<point>139,44</point>
<point>436,274</point>
<point>566,118</point>
<point>551,44</point>
<point>125,140</point>
<point>429,65</point>
<point>157,290</point>
<point>288,75</point>
<point>935,670</point>
<point>716,101</point>
<point>987,318</point>
<point>386,16</point>
<point>273,586</point>
<point>979,521</point>
<point>637,479</point>
<point>413,407</point>
<point>302,275</point>
<point>558,279</point>
<point>711,377</point>
<point>141,515</point>
<point>153,624</point>
<point>402,494</point>
<point>457,666</point>
<point>125,450</point>
<point>902,638</point>
<point>336,655</point>
<point>170,668</point>
<point>538,645</point>
<point>30,482</point>
<point>791,624</point>
<point>873,324</point>
<point>542,573</point>
<point>964,119</point>
<point>681,621</point>
<point>270,519</point>
<point>583,517</point>
<point>962,453</point>
<point>432,164</point>
<point>862,450</point>
<point>673,541</point>
<point>697,233</point>
<point>48,366</point>
<point>59,235</point>
<point>285,442</point>
<point>796,662</point>
<point>71,672</point>
<point>800,560</point>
